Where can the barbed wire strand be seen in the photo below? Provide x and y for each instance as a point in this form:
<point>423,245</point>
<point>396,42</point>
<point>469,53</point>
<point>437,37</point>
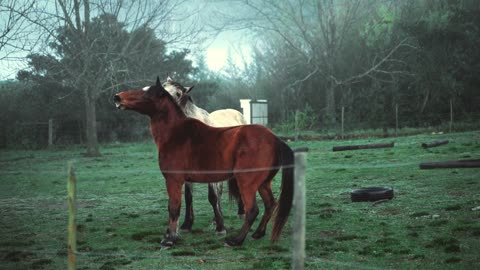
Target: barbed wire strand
<point>309,168</point>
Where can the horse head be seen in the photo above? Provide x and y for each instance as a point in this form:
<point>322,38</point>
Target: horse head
<point>147,100</point>
<point>178,91</point>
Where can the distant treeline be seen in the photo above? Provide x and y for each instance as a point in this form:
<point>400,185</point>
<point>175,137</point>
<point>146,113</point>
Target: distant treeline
<point>415,59</point>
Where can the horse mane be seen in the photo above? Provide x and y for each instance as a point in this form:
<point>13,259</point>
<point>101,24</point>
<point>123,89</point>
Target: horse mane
<point>186,98</point>
<point>167,95</point>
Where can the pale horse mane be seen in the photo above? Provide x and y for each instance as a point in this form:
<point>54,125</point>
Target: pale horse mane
<point>218,118</point>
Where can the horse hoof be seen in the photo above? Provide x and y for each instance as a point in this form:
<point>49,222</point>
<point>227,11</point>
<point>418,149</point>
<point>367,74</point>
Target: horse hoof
<point>186,228</point>
<point>166,244</point>
<point>165,247</point>
<point>258,235</point>
<point>232,243</point>
<point>222,232</point>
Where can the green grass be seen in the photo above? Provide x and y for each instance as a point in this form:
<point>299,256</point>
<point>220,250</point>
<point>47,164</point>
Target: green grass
<point>122,211</point>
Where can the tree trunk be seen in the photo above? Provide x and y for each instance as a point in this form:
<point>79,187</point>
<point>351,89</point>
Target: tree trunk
<point>91,125</point>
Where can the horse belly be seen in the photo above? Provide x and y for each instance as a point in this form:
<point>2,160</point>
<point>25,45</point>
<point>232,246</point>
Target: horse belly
<point>214,176</point>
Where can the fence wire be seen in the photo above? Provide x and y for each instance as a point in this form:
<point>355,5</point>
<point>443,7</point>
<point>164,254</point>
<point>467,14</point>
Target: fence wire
<point>130,254</point>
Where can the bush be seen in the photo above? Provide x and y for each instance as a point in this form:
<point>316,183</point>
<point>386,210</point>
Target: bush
<point>306,120</point>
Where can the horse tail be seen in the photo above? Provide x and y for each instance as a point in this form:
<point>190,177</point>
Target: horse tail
<point>233,191</point>
<point>286,195</point>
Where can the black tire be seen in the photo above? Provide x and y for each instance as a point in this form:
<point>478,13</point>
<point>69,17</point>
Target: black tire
<point>371,194</point>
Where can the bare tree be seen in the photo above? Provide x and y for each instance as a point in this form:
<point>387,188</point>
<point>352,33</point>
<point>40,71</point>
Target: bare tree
<point>15,34</point>
<point>318,32</point>
<point>93,63</point>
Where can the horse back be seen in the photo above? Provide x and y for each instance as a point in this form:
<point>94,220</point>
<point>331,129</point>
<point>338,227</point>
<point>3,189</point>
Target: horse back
<point>218,152</point>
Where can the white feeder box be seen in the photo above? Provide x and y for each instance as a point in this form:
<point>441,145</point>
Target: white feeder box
<point>255,111</point>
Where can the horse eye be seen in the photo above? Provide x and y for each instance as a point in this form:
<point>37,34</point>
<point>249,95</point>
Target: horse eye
<point>178,94</point>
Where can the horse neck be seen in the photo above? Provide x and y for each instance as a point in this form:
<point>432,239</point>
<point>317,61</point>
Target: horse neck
<point>193,111</point>
<point>163,123</point>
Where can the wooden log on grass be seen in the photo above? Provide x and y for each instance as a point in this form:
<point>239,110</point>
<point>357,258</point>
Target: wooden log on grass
<point>465,163</point>
<point>363,146</point>
<point>434,143</point>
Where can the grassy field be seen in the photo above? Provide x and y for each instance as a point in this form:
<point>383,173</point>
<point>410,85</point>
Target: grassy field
<point>432,223</point>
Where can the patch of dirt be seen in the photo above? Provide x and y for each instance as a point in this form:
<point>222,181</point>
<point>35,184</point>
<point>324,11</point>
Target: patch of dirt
<point>457,193</point>
<point>438,223</point>
<point>390,211</point>
<point>443,242</point>
<point>130,215</point>
<point>142,235</point>
<point>453,207</point>
<point>16,256</point>
<point>183,253</point>
<point>330,233</point>
<point>349,237</point>
<point>453,260</point>
<point>420,214</point>
<point>56,204</point>
<point>40,264</point>
<point>111,265</point>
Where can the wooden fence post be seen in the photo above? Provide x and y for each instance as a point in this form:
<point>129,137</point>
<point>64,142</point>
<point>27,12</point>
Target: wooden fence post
<point>296,125</point>
<point>50,132</point>
<point>451,115</point>
<point>343,114</point>
<point>72,227</point>
<point>299,203</point>
<point>396,119</point>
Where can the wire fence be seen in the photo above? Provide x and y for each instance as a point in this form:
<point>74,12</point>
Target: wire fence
<point>41,134</point>
<point>129,254</point>
<point>158,254</point>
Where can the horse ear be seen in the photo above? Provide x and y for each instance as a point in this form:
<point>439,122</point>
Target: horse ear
<point>188,89</point>
<point>158,81</point>
<point>169,79</point>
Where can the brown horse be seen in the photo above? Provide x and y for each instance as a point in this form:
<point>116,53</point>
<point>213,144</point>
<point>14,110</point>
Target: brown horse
<point>189,150</point>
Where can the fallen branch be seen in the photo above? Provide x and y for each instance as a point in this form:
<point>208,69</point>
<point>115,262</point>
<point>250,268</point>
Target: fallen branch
<point>434,143</point>
<point>466,163</point>
<point>363,146</point>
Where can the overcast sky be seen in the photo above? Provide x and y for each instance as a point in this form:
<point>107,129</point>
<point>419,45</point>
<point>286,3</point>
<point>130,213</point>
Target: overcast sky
<point>237,43</point>
<point>216,49</point>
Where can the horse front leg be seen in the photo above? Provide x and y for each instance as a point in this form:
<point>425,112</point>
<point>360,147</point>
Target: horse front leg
<point>174,189</point>
<point>188,221</point>
<point>214,193</point>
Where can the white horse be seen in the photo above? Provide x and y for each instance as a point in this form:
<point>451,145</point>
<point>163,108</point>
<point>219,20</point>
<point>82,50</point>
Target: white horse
<point>219,118</point>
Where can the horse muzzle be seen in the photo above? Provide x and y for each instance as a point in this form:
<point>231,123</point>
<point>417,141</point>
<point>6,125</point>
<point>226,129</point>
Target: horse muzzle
<point>118,102</point>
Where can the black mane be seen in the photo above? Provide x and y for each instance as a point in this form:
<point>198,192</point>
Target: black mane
<point>160,92</point>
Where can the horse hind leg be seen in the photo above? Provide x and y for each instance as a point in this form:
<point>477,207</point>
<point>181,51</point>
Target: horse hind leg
<point>269,203</point>
<point>214,193</point>
<point>188,221</point>
<point>234,193</point>
<point>249,219</point>
<point>251,208</point>
<point>241,209</point>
